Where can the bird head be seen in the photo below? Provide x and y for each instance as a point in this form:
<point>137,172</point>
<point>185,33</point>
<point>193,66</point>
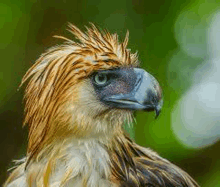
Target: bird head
<point>87,88</point>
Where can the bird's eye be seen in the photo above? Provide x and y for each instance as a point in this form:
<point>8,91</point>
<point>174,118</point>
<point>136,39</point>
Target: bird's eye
<point>100,79</point>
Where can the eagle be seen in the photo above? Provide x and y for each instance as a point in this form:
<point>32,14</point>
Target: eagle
<point>78,98</point>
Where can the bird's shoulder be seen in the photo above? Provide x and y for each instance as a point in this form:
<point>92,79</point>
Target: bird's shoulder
<point>137,166</point>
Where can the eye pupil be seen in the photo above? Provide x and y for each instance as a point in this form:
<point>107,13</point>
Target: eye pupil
<point>100,79</point>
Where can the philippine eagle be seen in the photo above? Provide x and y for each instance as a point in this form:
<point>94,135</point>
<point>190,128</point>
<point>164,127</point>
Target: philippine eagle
<point>79,96</point>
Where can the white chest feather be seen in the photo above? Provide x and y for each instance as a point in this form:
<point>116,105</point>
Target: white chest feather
<point>76,164</point>
<point>87,163</point>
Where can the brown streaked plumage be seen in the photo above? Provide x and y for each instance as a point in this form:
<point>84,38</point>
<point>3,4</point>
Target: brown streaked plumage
<point>79,96</point>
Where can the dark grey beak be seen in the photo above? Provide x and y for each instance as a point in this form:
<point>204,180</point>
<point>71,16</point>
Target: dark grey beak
<point>145,95</point>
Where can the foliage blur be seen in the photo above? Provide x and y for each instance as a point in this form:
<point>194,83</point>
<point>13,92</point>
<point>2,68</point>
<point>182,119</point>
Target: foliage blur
<point>171,39</point>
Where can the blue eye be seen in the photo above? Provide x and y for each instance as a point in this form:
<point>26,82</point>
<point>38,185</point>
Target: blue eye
<point>100,79</point>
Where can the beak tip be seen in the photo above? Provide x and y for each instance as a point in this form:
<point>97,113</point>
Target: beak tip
<point>157,114</point>
<point>157,111</point>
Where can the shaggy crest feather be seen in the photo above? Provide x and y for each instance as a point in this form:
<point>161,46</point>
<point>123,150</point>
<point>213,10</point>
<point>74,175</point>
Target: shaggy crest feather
<point>59,69</point>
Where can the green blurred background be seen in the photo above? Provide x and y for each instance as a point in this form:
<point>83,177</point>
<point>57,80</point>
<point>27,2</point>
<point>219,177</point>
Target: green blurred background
<point>173,40</point>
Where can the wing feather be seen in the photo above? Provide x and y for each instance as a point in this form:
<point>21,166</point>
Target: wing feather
<point>144,168</point>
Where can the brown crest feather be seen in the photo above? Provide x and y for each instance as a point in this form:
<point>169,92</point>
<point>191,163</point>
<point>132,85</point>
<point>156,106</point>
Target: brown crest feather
<point>57,71</point>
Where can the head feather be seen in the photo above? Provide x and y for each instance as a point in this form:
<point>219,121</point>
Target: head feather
<point>56,77</point>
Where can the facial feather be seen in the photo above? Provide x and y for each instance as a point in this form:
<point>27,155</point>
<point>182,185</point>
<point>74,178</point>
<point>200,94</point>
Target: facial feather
<point>59,94</point>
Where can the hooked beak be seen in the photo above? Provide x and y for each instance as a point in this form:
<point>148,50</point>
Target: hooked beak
<point>146,94</point>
